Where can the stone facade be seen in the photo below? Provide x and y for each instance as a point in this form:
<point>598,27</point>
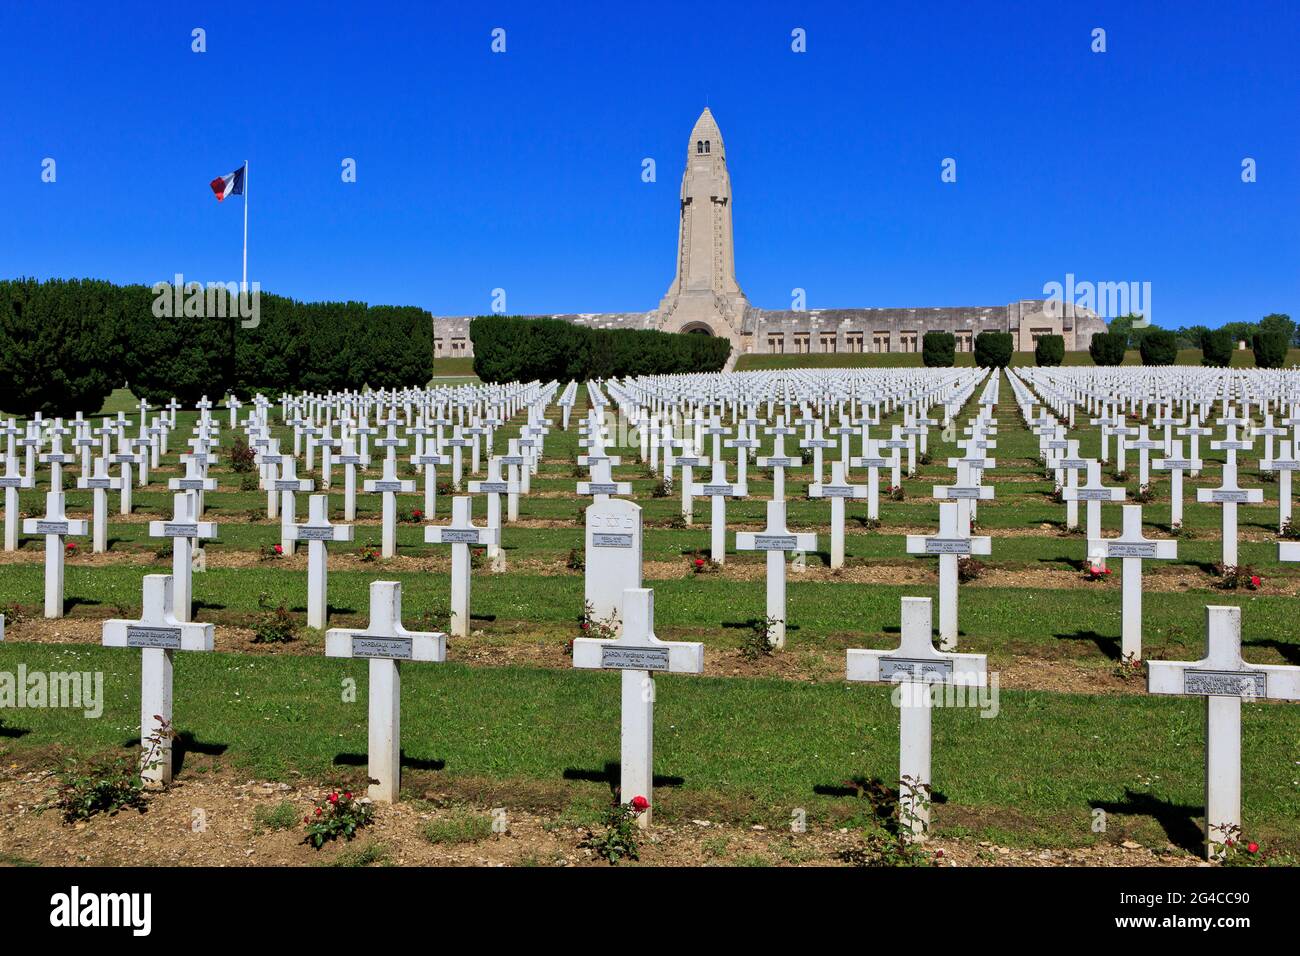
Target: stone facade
<point>705,297</point>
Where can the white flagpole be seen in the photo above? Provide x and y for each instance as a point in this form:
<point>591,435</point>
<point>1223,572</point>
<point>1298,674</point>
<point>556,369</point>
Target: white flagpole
<point>243,287</point>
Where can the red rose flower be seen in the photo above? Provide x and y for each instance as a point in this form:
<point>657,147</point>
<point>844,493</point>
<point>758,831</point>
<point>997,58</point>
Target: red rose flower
<point>334,798</point>
<point>1254,580</point>
<point>640,804</point>
<point>1252,847</point>
<point>348,795</point>
<point>279,549</point>
<point>699,562</point>
<point>319,811</point>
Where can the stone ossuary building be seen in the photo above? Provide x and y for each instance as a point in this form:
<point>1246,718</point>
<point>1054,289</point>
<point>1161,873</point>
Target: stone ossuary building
<point>705,297</point>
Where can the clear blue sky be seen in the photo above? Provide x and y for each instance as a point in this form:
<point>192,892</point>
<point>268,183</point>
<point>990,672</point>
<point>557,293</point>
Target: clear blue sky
<point>522,170</point>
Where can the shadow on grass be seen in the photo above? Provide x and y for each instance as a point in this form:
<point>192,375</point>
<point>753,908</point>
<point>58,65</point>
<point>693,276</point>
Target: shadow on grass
<point>408,763</point>
<point>184,744</point>
<point>1177,820</point>
<point>1110,646</point>
<point>611,775</point>
<point>13,733</point>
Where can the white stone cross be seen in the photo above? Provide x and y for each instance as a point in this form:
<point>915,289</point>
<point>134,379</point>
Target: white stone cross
<point>612,556</point>
<point>1194,430</point>
<point>1224,679</point>
<point>639,655</point>
<point>872,461</point>
<point>55,526</point>
<point>158,634</point>
<point>428,460</point>
<point>917,668</point>
<point>389,486</point>
<point>349,460</point>
<point>837,490</point>
<point>718,489</point>
<point>516,463</point>
<point>688,461</point>
<point>951,543</point>
<point>1176,464</point>
<point>316,532</point>
<point>11,481</point>
<point>184,529</point>
<point>461,534</point>
<point>776,540</point>
<point>779,461</point>
<point>602,485</point>
<point>1229,495</point>
<point>1145,444</point>
<point>385,643</point>
<point>289,485</point>
<point>1284,464</point>
<point>494,487</point>
<point>1094,493</point>
<point>1133,549</point>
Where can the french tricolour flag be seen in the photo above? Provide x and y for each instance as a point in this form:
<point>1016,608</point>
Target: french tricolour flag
<point>232,185</point>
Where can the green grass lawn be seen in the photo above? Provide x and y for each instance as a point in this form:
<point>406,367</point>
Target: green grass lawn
<point>735,747</point>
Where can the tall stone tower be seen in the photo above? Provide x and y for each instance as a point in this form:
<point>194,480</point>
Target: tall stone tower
<point>705,296</point>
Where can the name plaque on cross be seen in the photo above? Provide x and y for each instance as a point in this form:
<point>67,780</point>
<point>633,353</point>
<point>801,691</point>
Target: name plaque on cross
<point>459,536</point>
<point>306,532</point>
<point>494,487</point>
<point>947,546</point>
<point>175,529</point>
<point>1115,549</point>
<point>904,668</point>
<point>11,481</point>
<point>602,488</point>
<point>600,540</point>
<point>90,483</point>
<point>837,491</point>
<point>958,491</point>
<point>710,490</point>
<point>168,638</point>
<point>623,657</point>
<point>776,542</point>
<point>52,527</point>
<point>1225,684</point>
<point>1240,496</point>
<point>1093,494</point>
<point>383,648</point>
<point>393,486</point>
<point>287,484</point>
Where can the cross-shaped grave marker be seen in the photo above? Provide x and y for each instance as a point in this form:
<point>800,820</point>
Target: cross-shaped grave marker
<point>837,490</point>
<point>11,481</point>
<point>158,634</point>
<point>55,526</point>
<point>1229,494</point>
<point>184,529</point>
<point>461,534</point>
<point>952,543</point>
<point>1176,464</point>
<point>316,532</point>
<point>494,487</point>
<point>639,655</point>
<point>389,485</point>
<point>1132,548</point>
<point>917,668</point>
<point>776,540</point>
<point>718,489</point>
<point>385,643</point>
<point>1094,493</point>
<point>1224,679</point>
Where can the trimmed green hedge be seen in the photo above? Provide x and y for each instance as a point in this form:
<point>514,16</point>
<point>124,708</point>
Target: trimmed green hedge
<point>938,349</point>
<point>994,349</point>
<point>65,344</point>
<point>1108,348</point>
<point>1050,350</point>
<point>515,349</point>
<point>1159,347</point>
<point>1216,348</point>
<point>1269,349</point>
